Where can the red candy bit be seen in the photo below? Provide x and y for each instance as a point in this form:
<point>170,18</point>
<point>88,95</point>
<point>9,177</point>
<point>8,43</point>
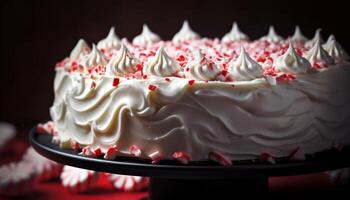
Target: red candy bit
<point>152,87</point>
<point>111,153</point>
<point>219,158</point>
<point>167,79</point>
<point>97,151</point>
<point>191,82</point>
<point>115,82</point>
<point>224,72</point>
<point>139,67</point>
<point>181,58</point>
<point>135,151</point>
<point>155,157</point>
<point>298,154</point>
<point>144,76</point>
<point>285,77</point>
<point>40,128</point>
<point>266,157</point>
<point>182,157</point>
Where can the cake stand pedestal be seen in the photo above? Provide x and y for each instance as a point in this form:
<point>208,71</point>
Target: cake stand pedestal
<point>204,179</point>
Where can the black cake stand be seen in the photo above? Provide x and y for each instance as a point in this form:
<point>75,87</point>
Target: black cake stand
<point>204,179</point>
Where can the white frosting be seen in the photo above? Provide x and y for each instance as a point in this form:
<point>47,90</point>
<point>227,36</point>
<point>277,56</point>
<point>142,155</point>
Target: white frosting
<point>111,41</point>
<point>94,58</point>
<point>235,34</point>
<point>272,36</point>
<point>291,62</point>
<point>240,122</point>
<point>146,37</point>
<point>201,68</point>
<point>298,36</point>
<point>123,63</point>
<point>7,133</point>
<point>185,34</point>
<point>244,68</point>
<point>80,49</point>
<point>317,37</point>
<point>161,65</point>
<point>318,55</point>
<point>335,50</point>
<point>16,175</point>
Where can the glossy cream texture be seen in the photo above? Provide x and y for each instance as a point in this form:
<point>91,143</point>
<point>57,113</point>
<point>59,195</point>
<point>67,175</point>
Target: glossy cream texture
<point>240,121</point>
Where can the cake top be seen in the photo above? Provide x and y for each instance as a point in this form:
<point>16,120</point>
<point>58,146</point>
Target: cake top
<point>188,55</point>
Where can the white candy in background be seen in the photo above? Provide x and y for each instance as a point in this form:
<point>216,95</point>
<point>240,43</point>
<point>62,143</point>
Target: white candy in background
<point>340,177</point>
<point>43,168</point>
<point>7,132</point>
<point>16,179</point>
<point>128,183</point>
<point>77,179</point>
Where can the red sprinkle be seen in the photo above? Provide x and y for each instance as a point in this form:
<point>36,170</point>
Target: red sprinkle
<point>152,87</point>
<point>191,82</point>
<point>181,58</point>
<point>135,151</point>
<point>167,79</point>
<point>111,153</point>
<point>115,82</point>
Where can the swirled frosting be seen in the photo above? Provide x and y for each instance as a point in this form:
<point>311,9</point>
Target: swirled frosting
<point>161,65</point>
<point>298,35</point>
<point>111,41</point>
<point>245,68</point>
<point>94,58</point>
<point>291,62</point>
<point>80,49</point>
<point>318,56</point>
<point>335,50</point>
<point>317,37</point>
<point>201,68</point>
<point>123,63</point>
<point>272,36</point>
<point>146,37</point>
<point>185,33</point>
<point>235,34</point>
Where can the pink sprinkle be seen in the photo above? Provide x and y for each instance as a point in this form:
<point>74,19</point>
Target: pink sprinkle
<point>74,145</point>
<point>217,157</point>
<point>182,157</point>
<point>135,151</point>
<point>155,157</point>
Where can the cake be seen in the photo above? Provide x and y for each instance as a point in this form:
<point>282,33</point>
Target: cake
<point>194,98</point>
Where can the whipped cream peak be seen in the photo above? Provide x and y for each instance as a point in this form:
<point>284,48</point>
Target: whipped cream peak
<point>111,41</point>
<point>123,63</point>
<point>94,58</point>
<point>80,49</point>
<point>185,33</point>
<point>316,37</point>
<point>318,56</point>
<point>161,65</point>
<point>146,37</point>
<point>272,36</point>
<point>201,68</point>
<point>298,36</point>
<point>335,50</point>
<point>235,34</point>
<point>244,68</point>
<point>330,38</point>
<point>291,62</point>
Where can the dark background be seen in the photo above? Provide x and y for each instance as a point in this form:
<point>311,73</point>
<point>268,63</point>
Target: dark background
<point>37,34</point>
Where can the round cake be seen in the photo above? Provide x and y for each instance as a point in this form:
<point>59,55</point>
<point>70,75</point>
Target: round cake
<point>193,98</point>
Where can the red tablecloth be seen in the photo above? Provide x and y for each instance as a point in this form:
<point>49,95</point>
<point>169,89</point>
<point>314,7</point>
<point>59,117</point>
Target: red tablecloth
<point>54,190</point>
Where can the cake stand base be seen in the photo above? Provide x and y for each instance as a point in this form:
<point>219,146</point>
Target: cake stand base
<point>202,180</point>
